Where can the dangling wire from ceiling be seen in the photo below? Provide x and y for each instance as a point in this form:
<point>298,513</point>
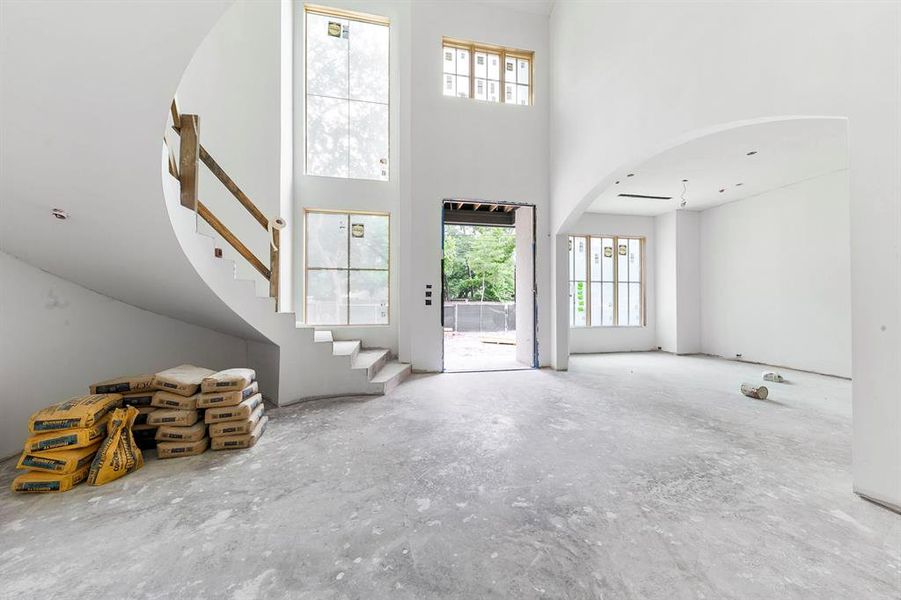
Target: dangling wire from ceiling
<point>682,195</point>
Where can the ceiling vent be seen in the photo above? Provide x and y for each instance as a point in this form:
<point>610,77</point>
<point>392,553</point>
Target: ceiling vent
<point>645,197</point>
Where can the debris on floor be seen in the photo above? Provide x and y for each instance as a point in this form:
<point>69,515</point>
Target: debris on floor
<point>772,376</point>
<point>758,392</point>
<point>100,437</point>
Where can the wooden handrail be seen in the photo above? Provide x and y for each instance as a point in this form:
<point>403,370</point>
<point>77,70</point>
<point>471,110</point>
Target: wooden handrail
<point>191,152</point>
<point>232,239</point>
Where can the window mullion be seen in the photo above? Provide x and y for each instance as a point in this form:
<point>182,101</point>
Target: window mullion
<point>616,281</point>
<point>587,263</point>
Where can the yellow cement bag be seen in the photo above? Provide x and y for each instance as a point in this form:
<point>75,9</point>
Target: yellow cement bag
<point>164,399</point>
<point>118,455</point>
<point>229,380</point>
<point>67,439</point>
<point>124,385</point>
<point>183,379</point>
<point>236,442</point>
<point>36,483</point>
<point>241,412</point>
<point>237,427</point>
<point>59,461</point>
<point>81,411</point>
<point>211,399</point>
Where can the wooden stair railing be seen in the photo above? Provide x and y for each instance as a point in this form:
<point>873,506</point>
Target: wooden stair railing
<point>192,152</point>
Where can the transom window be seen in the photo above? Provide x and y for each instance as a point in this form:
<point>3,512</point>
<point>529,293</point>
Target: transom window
<point>485,72</point>
<point>606,283</point>
<point>346,276</point>
<point>346,94</point>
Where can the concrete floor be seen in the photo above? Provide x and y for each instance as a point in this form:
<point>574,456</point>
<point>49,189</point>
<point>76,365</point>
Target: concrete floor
<point>631,476</point>
<point>465,351</point>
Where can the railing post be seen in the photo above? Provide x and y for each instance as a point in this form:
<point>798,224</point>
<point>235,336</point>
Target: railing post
<point>274,248</point>
<point>188,158</point>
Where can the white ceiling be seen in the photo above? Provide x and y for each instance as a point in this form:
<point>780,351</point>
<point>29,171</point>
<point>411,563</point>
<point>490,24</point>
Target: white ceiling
<point>538,7</point>
<point>788,151</point>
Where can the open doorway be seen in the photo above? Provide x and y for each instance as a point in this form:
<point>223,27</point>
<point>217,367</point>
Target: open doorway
<point>488,286</point>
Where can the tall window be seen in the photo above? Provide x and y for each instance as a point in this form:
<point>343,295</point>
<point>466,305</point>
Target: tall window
<point>606,285</point>
<point>346,268</point>
<point>346,94</point>
<point>484,72</point>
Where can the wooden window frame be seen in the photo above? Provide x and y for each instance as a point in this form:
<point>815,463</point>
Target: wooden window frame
<point>307,269</point>
<point>642,242</point>
<point>504,53</point>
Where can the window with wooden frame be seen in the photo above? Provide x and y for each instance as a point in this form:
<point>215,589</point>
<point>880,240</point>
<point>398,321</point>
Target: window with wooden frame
<point>346,267</point>
<point>347,95</point>
<point>487,72</point>
<point>606,281</point>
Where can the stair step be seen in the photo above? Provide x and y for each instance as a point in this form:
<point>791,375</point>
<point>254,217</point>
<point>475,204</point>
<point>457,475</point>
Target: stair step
<point>322,336</point>
<point>392,374</point>
<point>348,348</point>
<point>371,359</point>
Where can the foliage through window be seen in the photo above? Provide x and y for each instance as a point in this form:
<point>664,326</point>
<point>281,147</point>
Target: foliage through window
<point>346,94</point>
<point>606,284</point>
<point>479,263</point>
<point>489,73</point>
<point>346,277</point>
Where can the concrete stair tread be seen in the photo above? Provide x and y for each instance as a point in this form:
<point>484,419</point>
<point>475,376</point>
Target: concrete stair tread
<point>390,371</point>
<point>368,357</point>
<point>322,336</point>
<point>345,348</point>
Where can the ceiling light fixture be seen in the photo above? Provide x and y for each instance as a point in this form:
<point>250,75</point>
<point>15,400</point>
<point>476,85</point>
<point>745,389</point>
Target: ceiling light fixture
<point>630,174</point>
<point>59,214</point>
<point>751,153</point>
<point>739,184</point>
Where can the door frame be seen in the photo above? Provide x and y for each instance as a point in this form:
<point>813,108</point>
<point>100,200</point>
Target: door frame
<point>535,363</point>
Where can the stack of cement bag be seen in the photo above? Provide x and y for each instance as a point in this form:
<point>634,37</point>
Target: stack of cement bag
<point>234,409</point>
<point>63,441</point>
<point>136,391</point>
<point>180,428</point>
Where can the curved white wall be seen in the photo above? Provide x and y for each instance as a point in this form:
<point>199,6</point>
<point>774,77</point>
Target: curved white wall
<point>627,77</point>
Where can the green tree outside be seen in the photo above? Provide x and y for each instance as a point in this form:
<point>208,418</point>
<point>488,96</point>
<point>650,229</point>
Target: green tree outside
<point>479,263</point>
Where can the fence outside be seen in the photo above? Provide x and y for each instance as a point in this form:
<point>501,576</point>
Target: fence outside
<point>480,316</point>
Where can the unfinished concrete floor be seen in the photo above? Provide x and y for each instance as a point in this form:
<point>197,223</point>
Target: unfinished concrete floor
<point>631,476</point>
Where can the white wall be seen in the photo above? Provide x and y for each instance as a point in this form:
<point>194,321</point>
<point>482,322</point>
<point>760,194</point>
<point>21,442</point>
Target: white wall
<point>665,229</point>
<point>57,338</point>
<point>775,277</point>
<point>630,79</point>
<point>462,148</point>
<point>620,339</point>
<point>678,282</point>
<point>233,84</point>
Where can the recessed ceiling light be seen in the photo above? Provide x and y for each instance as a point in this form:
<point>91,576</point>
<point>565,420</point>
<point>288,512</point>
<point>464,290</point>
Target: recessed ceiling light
<point>630,175</point>
<point>59,214</point>
<point>738,184</point>
<point>722,190</point>
<point>617,182</point>
<point>751,153</point>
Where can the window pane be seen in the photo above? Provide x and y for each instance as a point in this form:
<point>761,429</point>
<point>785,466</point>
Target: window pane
<point>635,260</point>
<point>494,66</point>
<point>572,304</point>
<point>327,297</point>
<point>572,247</point>
<point>580,307</point>
<point>450,85</point>
<point>635,304</point>
<point>623,290</point>
<point>493,87</point>
<point>368,48</point>
<point>462,62</point>
<point>450,61</point>
<point>522,95</point>
<point>509,70</point>
<point>368,140</point>
<point>368,297</point>
<point>580,253</point>
<point>326,61</point>
<point>596,304</point>
<point>481,65</point>
<point>522,71</point>
<point>509,93</point>
<point>595,262</point>
<point>607,259</point>
<point>463,86</point>
<point>622,257</point>
<point>326,240</point>
<point>368,242</point>
<point>607,294</point>
<point>481,89</point>
<point>327,139</point>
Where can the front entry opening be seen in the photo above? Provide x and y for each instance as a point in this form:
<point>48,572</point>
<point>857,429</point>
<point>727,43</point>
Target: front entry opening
<point>488,286</point>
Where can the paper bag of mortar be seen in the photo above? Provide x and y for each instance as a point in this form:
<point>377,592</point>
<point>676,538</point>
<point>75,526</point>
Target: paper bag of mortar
<point>119,455</point>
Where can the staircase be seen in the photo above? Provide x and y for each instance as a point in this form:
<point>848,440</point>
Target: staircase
<point>294,361</point>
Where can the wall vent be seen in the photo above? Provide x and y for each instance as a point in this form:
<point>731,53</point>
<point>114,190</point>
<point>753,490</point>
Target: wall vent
<point>646,197</point>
